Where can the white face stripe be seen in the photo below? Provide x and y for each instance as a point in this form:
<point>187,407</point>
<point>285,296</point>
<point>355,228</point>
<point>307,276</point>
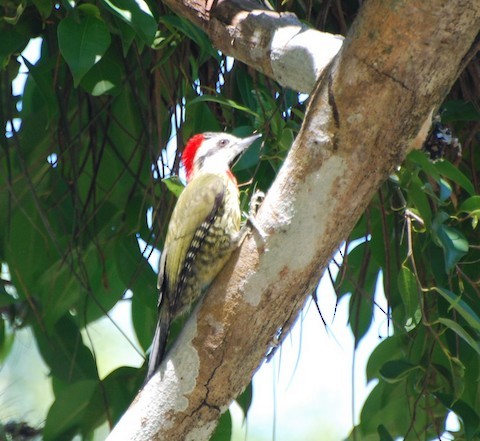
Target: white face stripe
<point>216,153</point>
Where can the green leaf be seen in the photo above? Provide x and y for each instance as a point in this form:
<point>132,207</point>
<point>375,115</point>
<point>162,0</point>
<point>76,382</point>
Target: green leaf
<point>455,327</point>
<point>445,189</point>
<point>120,387</point>
<point>468,415</point>
<point>474,222</point>
<point>64,352</point>
<point>83,40</point>
<point>286,139</point>
<point>416,194</point>
<point>127,34</point>
<point>105,77</point>
<point>451,240</point>
<point>67,411</point>
<point>111,398</point>
<point>244,400</point>
<point>7,337</point>
<point>360,278</point>
<point>174,185</point>
<point>193,33</point>
<point>11,42</point>
<point>389,349</point>
<point>224,102</point>
<point>44,7</point>
<point>396,370</point>
<point>459,110</point>
<point>107,285</point>
<point>408,287</point>
<point>12,15</point>
<point>471,206</point>
<point>199,118</point>
<point>358,257</point>
<point>446,168</point>
<point>7,301</point>
<point>420,158</point>
<point>223,432</point>
<point>29,252</point>
<point>41,75</point>
<point>454,244</point>
<point>361,313</point>
<point>137,15</point>
<point>244,84</point>
<point>391,405</point>
<point>58,278</point>
<point>383,433</point>
<point>251,157</point>
<point>461,307</point>
<point>144,318</point>
<point>134,270</point>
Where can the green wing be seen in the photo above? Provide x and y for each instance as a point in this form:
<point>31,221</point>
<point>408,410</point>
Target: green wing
<point>197,203</point>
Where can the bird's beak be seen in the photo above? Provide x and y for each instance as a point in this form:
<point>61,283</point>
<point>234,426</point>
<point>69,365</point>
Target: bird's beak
<point>243,144</point>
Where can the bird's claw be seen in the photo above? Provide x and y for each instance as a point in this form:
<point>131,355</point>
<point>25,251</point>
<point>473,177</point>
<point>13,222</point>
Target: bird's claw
<point>255,202</point>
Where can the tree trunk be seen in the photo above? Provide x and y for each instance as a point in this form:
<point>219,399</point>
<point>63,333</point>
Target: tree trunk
<point>373,103</point>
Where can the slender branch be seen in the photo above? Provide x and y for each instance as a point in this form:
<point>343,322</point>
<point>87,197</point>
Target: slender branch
<point>276,44</point>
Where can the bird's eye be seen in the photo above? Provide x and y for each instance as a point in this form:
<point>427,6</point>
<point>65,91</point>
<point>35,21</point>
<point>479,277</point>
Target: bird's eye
<point>223,142</point>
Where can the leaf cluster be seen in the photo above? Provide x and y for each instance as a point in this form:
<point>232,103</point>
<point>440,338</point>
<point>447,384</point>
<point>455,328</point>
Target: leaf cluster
<point>418,240</point>
<point>89,165</point>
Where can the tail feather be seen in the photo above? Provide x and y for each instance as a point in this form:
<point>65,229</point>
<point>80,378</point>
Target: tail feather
<point>159,343</point>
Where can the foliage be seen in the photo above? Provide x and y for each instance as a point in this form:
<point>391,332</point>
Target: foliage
<point>421,234</point>
<point>89,152</point>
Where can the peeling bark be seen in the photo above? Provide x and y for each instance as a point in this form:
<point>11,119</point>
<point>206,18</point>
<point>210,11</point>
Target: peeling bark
<point>276,44</point>
<point>366,111</point>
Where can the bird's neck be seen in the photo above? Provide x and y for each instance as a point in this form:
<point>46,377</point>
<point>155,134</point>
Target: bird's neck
<point>226,173</point>
<point>231,176</point>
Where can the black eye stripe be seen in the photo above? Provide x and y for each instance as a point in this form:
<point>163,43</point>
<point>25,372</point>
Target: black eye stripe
<point>200,160</point>
<point>220,144</point>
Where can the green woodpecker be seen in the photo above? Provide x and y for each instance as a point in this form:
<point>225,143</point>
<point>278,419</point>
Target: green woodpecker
<point>203,231</point>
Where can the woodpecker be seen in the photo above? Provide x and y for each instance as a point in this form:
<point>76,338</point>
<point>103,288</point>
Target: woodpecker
<point>203,231</point>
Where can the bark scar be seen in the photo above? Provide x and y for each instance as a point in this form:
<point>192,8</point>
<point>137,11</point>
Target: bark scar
<point>335,114</point>
<point>209,5</point>
<point>332,103</point>
<point>387,75</point>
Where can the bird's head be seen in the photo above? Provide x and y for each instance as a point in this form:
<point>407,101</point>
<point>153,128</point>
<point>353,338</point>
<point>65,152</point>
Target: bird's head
<point>213,153</point>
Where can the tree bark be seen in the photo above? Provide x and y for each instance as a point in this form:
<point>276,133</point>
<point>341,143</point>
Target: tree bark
<point>276,44</point>
<point>373,104</point>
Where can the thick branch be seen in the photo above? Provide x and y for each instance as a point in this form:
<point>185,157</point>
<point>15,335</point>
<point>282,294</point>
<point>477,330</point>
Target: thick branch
<point>397,64</point>
<point>278,45</point>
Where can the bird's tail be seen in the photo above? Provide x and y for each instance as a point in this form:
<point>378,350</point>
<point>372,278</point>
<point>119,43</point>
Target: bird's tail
<point>159,343</point>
